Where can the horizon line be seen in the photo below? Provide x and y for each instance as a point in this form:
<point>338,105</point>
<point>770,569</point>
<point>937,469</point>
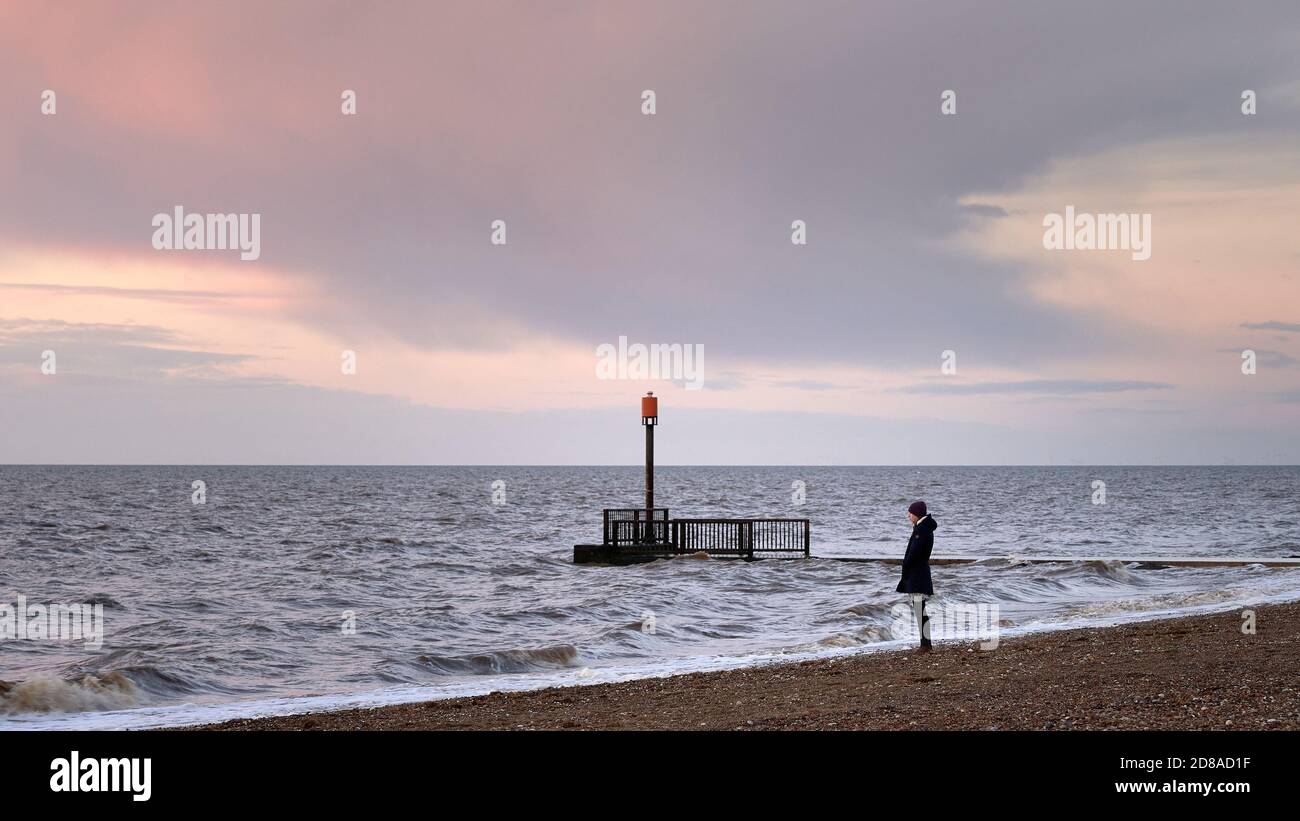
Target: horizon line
<point>639,465</point>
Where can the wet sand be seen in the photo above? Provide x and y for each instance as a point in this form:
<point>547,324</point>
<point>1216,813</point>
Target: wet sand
<point>1189,673</point>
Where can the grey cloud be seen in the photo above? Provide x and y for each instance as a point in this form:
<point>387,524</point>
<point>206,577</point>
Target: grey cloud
<point>767,113</point>
<point>805,384</point>
<point>1059,387</point>
<point>1290,327</point>
<point>21,330</point>
<point>101,349</point>
<point>1267,358</point>
<point>979,209</point>
<point>152,294</point>
<point>728,381</point>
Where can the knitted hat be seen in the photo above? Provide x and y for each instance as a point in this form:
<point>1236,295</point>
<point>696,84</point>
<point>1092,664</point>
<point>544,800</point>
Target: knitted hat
<point>917,509</point>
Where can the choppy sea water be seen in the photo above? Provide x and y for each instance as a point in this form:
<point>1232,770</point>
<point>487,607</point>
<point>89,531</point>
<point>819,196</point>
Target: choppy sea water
<point>237,606</point>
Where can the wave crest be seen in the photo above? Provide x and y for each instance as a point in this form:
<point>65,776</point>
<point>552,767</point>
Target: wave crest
<point>48,694</point>
<point>505,661</point>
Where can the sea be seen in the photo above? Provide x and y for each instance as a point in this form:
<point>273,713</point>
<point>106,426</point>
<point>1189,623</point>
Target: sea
<point>230,591</point>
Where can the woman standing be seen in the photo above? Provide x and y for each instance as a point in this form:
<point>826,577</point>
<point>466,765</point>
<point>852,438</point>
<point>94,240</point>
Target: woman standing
<point>916,567</point>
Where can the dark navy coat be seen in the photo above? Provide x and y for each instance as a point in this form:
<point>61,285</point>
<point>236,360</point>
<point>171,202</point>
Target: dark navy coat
<point>916,562</point>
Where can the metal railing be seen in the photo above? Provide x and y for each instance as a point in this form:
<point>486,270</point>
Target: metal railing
<point>717,537</point>
<point>628,531</point>
<point>773,537</point>
<point>632,530</point>
<point>746,538</point>
<point>630,525</point>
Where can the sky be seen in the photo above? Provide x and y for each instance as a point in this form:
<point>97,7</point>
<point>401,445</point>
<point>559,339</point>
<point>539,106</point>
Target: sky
<point>922,321</point>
